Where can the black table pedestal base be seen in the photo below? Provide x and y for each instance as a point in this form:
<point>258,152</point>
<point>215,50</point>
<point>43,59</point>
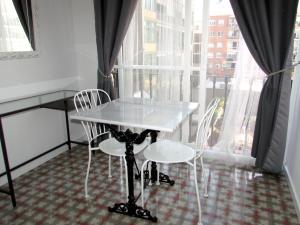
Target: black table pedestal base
<point>132,210</point>
<point>165,179</point>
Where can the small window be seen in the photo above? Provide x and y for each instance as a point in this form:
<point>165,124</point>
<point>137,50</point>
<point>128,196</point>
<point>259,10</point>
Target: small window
<point>196,59</point>
<point>196,37</point>
<point>210,55</point>
<point>150,32</point>
<point>212,22</point>
<point>197,48</point>
<point>219,55</point>
<point>220,34</point>
<point>221,22</point>
<point>211,45</point>
<point>219,45</point>
<point>16,27</point>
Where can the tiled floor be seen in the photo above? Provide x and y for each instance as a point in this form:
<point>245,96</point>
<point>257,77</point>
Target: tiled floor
<point>53,194</point>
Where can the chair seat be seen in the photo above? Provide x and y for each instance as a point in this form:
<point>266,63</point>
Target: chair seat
<point>167,151</point>
<point>113,147</point>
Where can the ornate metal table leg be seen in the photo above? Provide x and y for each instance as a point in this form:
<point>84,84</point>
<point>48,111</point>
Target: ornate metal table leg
<point>130,208</point>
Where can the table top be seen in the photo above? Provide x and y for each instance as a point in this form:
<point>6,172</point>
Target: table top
<point>140,113</point>
<point>9,107</point>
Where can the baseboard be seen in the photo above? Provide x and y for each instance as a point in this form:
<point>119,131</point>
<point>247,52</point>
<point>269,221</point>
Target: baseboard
<point>293,191</point>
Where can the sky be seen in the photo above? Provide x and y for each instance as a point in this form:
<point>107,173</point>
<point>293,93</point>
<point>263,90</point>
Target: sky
<point>216,7</point>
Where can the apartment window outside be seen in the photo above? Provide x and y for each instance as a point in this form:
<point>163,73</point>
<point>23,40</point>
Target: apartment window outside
<point>221,22</point>
<point>219,55</point>
<point>211,45</point>
<point>196,37</point>
<point>150,32</point>
<point>212,22</point>
<point>210,55</point>
<point>219,45</point>
<point>196,59</point>
<point>196,48</point>
<point>150,4</point>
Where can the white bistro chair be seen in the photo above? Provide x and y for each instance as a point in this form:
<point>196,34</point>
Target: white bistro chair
<point>167,151</point>
<point>95,132</point>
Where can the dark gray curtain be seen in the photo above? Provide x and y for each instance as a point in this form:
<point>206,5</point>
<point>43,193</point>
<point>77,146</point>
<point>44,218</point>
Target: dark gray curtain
<point>112,18</point>
<point>267,27</point>
<point>24,11</point>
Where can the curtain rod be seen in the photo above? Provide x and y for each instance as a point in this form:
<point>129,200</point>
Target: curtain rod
<point>285,69</point>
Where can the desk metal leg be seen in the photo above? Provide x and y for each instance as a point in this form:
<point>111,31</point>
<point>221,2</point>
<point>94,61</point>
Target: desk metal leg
<point>7,168</point>
<point>67,124</point>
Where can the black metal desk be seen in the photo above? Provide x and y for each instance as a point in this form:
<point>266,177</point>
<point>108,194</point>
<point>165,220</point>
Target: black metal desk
<point>58,100</point>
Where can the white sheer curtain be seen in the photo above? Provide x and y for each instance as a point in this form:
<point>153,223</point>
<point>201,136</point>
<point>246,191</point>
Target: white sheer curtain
<point>12,35</point>
<point>237,127</point>
<point>153,65</point>
<point>152,53</point>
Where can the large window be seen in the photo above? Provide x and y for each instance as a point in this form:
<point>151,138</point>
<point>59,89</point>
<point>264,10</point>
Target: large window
<point>172,52</point>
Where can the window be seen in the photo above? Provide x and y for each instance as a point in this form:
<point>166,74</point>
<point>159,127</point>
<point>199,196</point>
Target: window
<point>150,32</point>
<point>196,59</point>
<point>150,5</point>
<point>16,29</point>
<point>220,22</point>
<point>219,45</point>
<point>234,45</point>
<point>211,45</point>
<point>212,22</point>
<point>196,37</point>
<point>161,63</point>
<point>197,48</point>
<point>231,56</point>
<point>219,55</point>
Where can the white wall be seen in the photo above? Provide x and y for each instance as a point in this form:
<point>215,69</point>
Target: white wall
<point>31,133</point>
<point>85,42</point>
<point>292,152</point>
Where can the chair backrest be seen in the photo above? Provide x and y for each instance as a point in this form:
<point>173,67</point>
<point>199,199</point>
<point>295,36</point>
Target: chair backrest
<point>88,99</point>
<point>204,126</point>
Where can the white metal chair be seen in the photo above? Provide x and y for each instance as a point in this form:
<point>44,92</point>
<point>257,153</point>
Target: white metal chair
<point>167,151</point>
<point>95,132</point>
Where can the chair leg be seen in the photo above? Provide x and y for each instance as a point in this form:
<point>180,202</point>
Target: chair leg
<point>204,177</point>
<point>197,193</point>
<point>109,166</point>
<point>150,180</point>
<point>142,181</point>
<point>87,175</point>
<point>121,167</point>
<point>126,175</point>
<point>157,181</point>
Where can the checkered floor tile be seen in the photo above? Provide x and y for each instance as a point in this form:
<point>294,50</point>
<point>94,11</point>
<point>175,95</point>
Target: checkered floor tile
<point>53,194</point>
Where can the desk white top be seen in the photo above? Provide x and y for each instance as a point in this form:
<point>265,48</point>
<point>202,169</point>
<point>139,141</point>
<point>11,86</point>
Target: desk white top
<point>140,113</point>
